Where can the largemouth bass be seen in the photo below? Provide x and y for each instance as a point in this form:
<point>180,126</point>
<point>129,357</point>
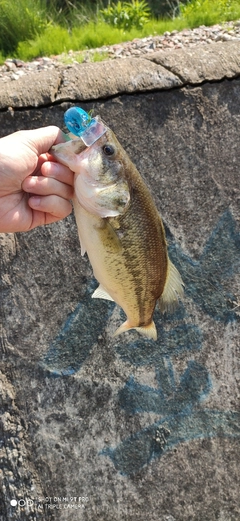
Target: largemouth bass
<point>121,231</point>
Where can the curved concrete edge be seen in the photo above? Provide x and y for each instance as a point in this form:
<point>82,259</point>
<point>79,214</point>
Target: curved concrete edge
<point>32,90</point>
<point>109,78</point>
<point>198,64</point>
<point>158,71</point>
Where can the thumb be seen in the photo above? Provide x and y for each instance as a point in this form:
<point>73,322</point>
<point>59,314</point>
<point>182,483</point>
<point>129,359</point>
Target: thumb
<point>41,139</point>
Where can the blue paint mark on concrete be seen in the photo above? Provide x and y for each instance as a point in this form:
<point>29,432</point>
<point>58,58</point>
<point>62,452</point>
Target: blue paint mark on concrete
<point>194,386</point>
<point>219,261</point>
<point>180,339</point>
<point>177,399</point>
<point>179,405</point>
<point>138,450</point>
<point>203,280</point>
<point>72,346</point>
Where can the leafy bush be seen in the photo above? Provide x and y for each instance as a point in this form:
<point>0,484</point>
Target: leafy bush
<point>125,15</point>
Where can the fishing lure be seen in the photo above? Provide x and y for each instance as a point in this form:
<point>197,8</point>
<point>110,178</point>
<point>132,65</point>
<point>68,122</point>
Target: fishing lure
<point>82,125</point>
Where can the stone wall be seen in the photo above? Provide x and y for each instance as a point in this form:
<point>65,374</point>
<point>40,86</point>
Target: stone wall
<point>127,429</point>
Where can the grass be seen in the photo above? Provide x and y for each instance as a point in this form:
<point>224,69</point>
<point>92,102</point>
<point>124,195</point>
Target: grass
<point>28,30</point>
<point>210,12</point>
<point>18,20</point>
<point>57,39</point>
<point>68,58</point>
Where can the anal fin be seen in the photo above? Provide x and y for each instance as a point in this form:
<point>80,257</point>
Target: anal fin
<point>100,292</point>
<point>173,290</point>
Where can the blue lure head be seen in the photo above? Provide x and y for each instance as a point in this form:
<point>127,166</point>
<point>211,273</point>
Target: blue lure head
<point>76,120</point>
<point>82,125</point>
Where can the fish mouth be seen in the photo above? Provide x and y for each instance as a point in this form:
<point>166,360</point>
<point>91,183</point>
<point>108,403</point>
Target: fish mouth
<point>67,151</point>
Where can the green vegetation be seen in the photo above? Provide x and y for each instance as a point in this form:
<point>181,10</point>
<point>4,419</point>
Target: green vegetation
<point>21,20</point>
<point>32,28</point>
<point>210,12</point>
<point>126,15</point>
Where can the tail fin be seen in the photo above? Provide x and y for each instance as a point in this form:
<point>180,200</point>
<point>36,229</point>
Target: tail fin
<point>148,331</point>
<point>173,290</point>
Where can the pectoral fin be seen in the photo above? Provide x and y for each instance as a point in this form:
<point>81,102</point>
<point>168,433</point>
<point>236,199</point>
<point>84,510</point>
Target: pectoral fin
<point>109,237</point>
<point>83,249</point>
<point>173,290</point>
<point>76,207</point>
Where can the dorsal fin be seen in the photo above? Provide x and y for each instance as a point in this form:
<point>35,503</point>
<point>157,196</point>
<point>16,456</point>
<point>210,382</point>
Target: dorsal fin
<point>173,290</point>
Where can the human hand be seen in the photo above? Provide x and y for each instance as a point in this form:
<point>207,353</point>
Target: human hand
<point>34,188</point>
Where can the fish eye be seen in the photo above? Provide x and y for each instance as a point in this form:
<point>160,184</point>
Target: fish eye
<point>108,150</point>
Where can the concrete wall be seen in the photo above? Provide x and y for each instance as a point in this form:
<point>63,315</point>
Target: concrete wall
<point>136,429</point>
